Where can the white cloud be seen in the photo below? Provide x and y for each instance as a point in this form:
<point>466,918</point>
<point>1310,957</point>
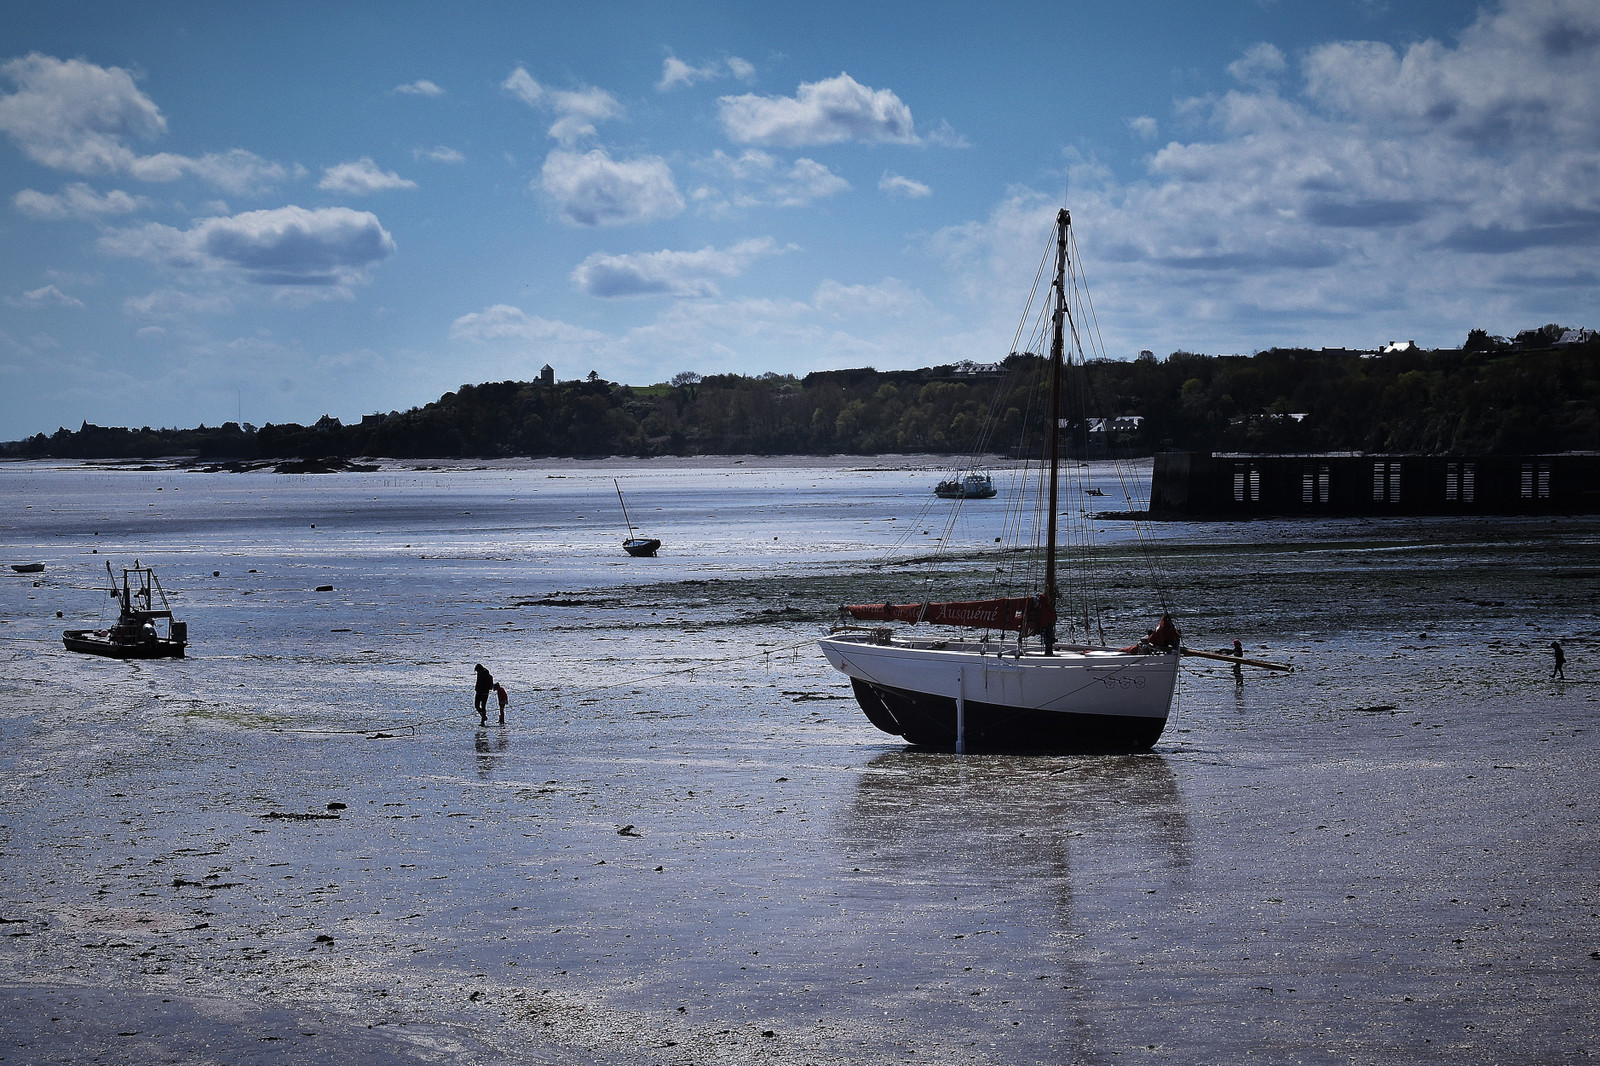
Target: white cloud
<point>420,87</point>
<point>890,325</point>
<point>668,273</point>
<point>236,170</point>
<point>361,177</point>
<point>1490,146</point>
<point>71,277</point>
<point>823,112</point>
<point>898,185</point>
<point>176,304</point>
<point>1260,65</point>
<point>441,154</point>
<point>1144,127</point>
<point>890,298</point>
<point>48,296</point>
<point>77,200</point>
<point>576,111</point>
<point>752,165</point>
<point>1415,192</point>
<point>75,116</point>
<point>989,260</point>
<point>520,83</point>
<point>1520,75</point>
<point>716,336</point>
<point>760,179</point>
<point>945,136</point>
<point>287,246</point>
<point>592,189</point>
<point>502,322</point>
<point>675,72</point>
<point>805,182</point>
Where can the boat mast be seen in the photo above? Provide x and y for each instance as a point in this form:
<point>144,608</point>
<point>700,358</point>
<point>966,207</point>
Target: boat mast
<point>625,518</point>
<point>121,594</point>
<point>1057,346</point>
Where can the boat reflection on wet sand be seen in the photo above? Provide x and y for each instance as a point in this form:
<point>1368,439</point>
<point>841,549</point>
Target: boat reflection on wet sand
<point>1023,865</point>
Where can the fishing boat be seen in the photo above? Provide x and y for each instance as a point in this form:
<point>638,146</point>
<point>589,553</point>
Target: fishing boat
<point>973,486</point>
<point>639,547</point>
<point>1030,692</point>
<point>28,568</point>
<point>136,634</point>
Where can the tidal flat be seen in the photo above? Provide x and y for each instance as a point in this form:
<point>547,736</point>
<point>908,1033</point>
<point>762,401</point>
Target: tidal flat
<point>687,845</point>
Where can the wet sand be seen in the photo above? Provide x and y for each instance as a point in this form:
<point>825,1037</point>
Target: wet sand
<point>298,845</point>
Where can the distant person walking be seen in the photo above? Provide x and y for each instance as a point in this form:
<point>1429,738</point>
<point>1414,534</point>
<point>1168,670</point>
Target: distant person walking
<point>1238,670</point>
<point>1561,661</point>
<point>500,695</point>
<point>480,701</point>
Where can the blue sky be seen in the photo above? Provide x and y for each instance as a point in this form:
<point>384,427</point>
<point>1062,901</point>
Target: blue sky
<point>279,211</point>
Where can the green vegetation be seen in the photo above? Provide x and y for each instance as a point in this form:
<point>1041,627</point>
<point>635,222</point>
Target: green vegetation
<point>1490,397</point>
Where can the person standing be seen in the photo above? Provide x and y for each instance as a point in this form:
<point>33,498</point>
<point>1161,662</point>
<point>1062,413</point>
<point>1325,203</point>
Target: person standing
<point>1238,670</point>
<point>481,694</point>
<point>500,695</point>
<point>1561,661</point>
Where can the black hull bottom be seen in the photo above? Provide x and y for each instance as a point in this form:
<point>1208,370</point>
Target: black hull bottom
<point>930,722</point>
<point>88,643</point>
<point>642,549</point>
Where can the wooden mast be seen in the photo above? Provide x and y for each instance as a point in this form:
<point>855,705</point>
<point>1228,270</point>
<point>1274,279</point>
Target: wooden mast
<point>1057,346</point>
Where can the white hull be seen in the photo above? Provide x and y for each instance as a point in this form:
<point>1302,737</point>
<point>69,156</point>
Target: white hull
<point>1076,699</point>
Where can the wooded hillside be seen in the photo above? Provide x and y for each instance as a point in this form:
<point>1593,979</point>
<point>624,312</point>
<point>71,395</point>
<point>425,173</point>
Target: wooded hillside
<point>1437,402</point>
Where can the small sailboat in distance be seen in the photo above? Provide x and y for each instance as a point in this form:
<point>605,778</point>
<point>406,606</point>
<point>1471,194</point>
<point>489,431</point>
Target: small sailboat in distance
<point>639,547</point>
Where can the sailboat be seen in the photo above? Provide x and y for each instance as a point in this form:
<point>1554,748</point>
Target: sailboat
<point>990,692</point>
<point>642,547</point>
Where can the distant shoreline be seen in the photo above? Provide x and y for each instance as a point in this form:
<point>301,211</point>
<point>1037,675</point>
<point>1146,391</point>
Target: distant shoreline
<point>364,464</point>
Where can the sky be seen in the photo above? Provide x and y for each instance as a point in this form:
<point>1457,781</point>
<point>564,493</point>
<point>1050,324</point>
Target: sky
<point>272,212</point>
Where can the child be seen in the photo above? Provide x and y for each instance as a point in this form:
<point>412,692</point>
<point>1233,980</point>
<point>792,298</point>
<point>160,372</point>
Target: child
<point>500,694</point>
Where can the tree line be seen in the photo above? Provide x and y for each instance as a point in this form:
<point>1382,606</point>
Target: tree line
<point>1495,397</point>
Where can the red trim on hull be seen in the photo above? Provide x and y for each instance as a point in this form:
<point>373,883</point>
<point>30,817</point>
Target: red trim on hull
<point>1027,614</point>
